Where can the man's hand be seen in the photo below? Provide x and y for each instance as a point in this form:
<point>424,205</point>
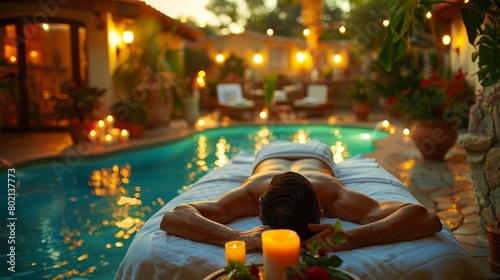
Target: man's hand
<point>252,237</point>
<point>325,231</point>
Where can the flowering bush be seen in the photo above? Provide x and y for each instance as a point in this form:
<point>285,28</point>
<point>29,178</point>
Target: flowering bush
<point>435,98</point>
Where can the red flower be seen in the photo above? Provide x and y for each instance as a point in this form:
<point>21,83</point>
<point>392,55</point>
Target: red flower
<point>254,271</point>
<point>406,91</point>
<point>440,109</point>
<point>391,100</point>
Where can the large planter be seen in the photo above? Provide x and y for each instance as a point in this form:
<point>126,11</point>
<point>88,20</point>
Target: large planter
<point>159,104</point>
<point>493,235</point>
<point>362,110</point>
<point>433,138</point>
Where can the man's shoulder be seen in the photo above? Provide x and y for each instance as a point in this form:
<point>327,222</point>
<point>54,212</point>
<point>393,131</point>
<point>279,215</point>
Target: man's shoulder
<point>257,183</point>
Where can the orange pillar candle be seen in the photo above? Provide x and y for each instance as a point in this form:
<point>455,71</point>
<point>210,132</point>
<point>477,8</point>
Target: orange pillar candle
<point>236,251</point>
<point>280,249</point>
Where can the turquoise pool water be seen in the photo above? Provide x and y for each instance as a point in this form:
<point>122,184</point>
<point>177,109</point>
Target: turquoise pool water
<point>75,219</point>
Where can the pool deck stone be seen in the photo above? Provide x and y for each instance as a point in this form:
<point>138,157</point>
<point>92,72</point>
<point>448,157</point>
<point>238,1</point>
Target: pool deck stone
<point>443,187</point>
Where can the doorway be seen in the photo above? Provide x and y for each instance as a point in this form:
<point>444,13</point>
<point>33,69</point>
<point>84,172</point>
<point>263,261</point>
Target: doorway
<point>38,62</point>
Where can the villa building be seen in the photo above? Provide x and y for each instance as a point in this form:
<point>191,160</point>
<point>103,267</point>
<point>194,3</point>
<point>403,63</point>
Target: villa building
<point>47,45</point>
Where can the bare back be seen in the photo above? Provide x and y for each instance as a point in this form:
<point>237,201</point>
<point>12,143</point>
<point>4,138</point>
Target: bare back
<point>316,171</point>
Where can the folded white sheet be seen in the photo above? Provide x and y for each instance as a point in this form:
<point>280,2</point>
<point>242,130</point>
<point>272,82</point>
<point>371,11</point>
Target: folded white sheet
<point>154,254</point>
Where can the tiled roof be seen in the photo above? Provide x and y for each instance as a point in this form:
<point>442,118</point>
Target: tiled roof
<point>129,9</point>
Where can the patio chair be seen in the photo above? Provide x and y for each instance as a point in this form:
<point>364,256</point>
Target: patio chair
<point>231,101</point>
<point>315,101</point>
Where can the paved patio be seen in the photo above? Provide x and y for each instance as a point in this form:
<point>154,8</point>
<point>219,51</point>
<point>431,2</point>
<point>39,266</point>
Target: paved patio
<point>444,187</point>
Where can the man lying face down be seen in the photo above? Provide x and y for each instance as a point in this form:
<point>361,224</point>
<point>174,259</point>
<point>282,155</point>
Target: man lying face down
<point>292,186</point>
<point>290,202</point>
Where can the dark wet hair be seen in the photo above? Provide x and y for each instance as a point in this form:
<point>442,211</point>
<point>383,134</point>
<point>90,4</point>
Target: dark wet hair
<point>290,202</point>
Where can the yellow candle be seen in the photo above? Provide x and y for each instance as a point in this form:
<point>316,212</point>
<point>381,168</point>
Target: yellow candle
<point>108,140</point>
<point>280,249</point>
<point>93,136</point>
<point>236,251</point>
<point>101,125</point>
<point>110,121</point>
<point>124,135</point>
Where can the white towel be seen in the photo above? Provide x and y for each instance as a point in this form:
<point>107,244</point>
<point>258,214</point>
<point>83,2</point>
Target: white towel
<point>293,150</point>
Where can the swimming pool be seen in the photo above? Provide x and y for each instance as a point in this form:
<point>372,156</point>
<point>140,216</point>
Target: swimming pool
<point>76,220</point>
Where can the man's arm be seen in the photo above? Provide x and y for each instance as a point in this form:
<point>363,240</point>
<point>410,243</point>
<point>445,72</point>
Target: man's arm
<point>204,221</point>
<point>382,222</point>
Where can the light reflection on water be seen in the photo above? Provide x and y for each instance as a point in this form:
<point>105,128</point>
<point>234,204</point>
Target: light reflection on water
<point>81,226</point>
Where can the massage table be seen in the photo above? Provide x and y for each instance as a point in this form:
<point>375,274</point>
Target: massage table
<point>153,254</point>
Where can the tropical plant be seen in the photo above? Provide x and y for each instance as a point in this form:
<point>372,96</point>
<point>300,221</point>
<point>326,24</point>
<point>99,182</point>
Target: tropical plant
<point>481,20</point>
<point>269,87</point>
<point>233,68</point>
<point>145,64</point>
<point>360,91</point>
<point>129,111</point>
<point>82,102</point>
<point>147,76</point>
<point>405,73</point>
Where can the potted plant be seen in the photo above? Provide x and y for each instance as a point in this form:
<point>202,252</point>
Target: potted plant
<point>361,97</point>
<point>405,73</point>
<point>434,107</point>
<point>481,20</point>
<point>130,115</point>
<point>79,109</point>
<point>145,76</point>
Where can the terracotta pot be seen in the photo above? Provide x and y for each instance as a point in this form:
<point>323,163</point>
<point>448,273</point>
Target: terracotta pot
<point>122,124</point>
<point>159,103</point>
<point>80,131</point>
<point>136,130</point>
<point>362,110</point>
<point>433,138</point>
<point>493,235</point>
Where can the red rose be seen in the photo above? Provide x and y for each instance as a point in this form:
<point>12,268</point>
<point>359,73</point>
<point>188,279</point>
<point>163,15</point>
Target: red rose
<point>316,272</point>
<point>254,271</point>
<point>391,100</point>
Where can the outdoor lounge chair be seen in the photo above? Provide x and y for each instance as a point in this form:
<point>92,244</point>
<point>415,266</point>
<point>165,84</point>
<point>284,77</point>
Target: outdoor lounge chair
<point>315,101</point>
<point>231,101</point>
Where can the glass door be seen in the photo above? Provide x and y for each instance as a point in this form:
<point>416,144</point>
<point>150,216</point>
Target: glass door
<point>40,61</point>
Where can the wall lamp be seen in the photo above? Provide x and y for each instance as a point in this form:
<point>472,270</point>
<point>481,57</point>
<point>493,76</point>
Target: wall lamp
<point>127,38</point>
<point>257,58</point>
<point>447,42</point>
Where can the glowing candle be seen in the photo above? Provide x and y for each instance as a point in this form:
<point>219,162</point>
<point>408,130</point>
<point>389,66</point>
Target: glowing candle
<point>108,140</point>
<point>385,124</point>
<point>280,249</point>
<point>101,126</point>
<point>115,132</point>
<point>93,136</point>
<point>124,135</point>
<point>236,251</point>
<point>110,121</point>
<point>406,135</point>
